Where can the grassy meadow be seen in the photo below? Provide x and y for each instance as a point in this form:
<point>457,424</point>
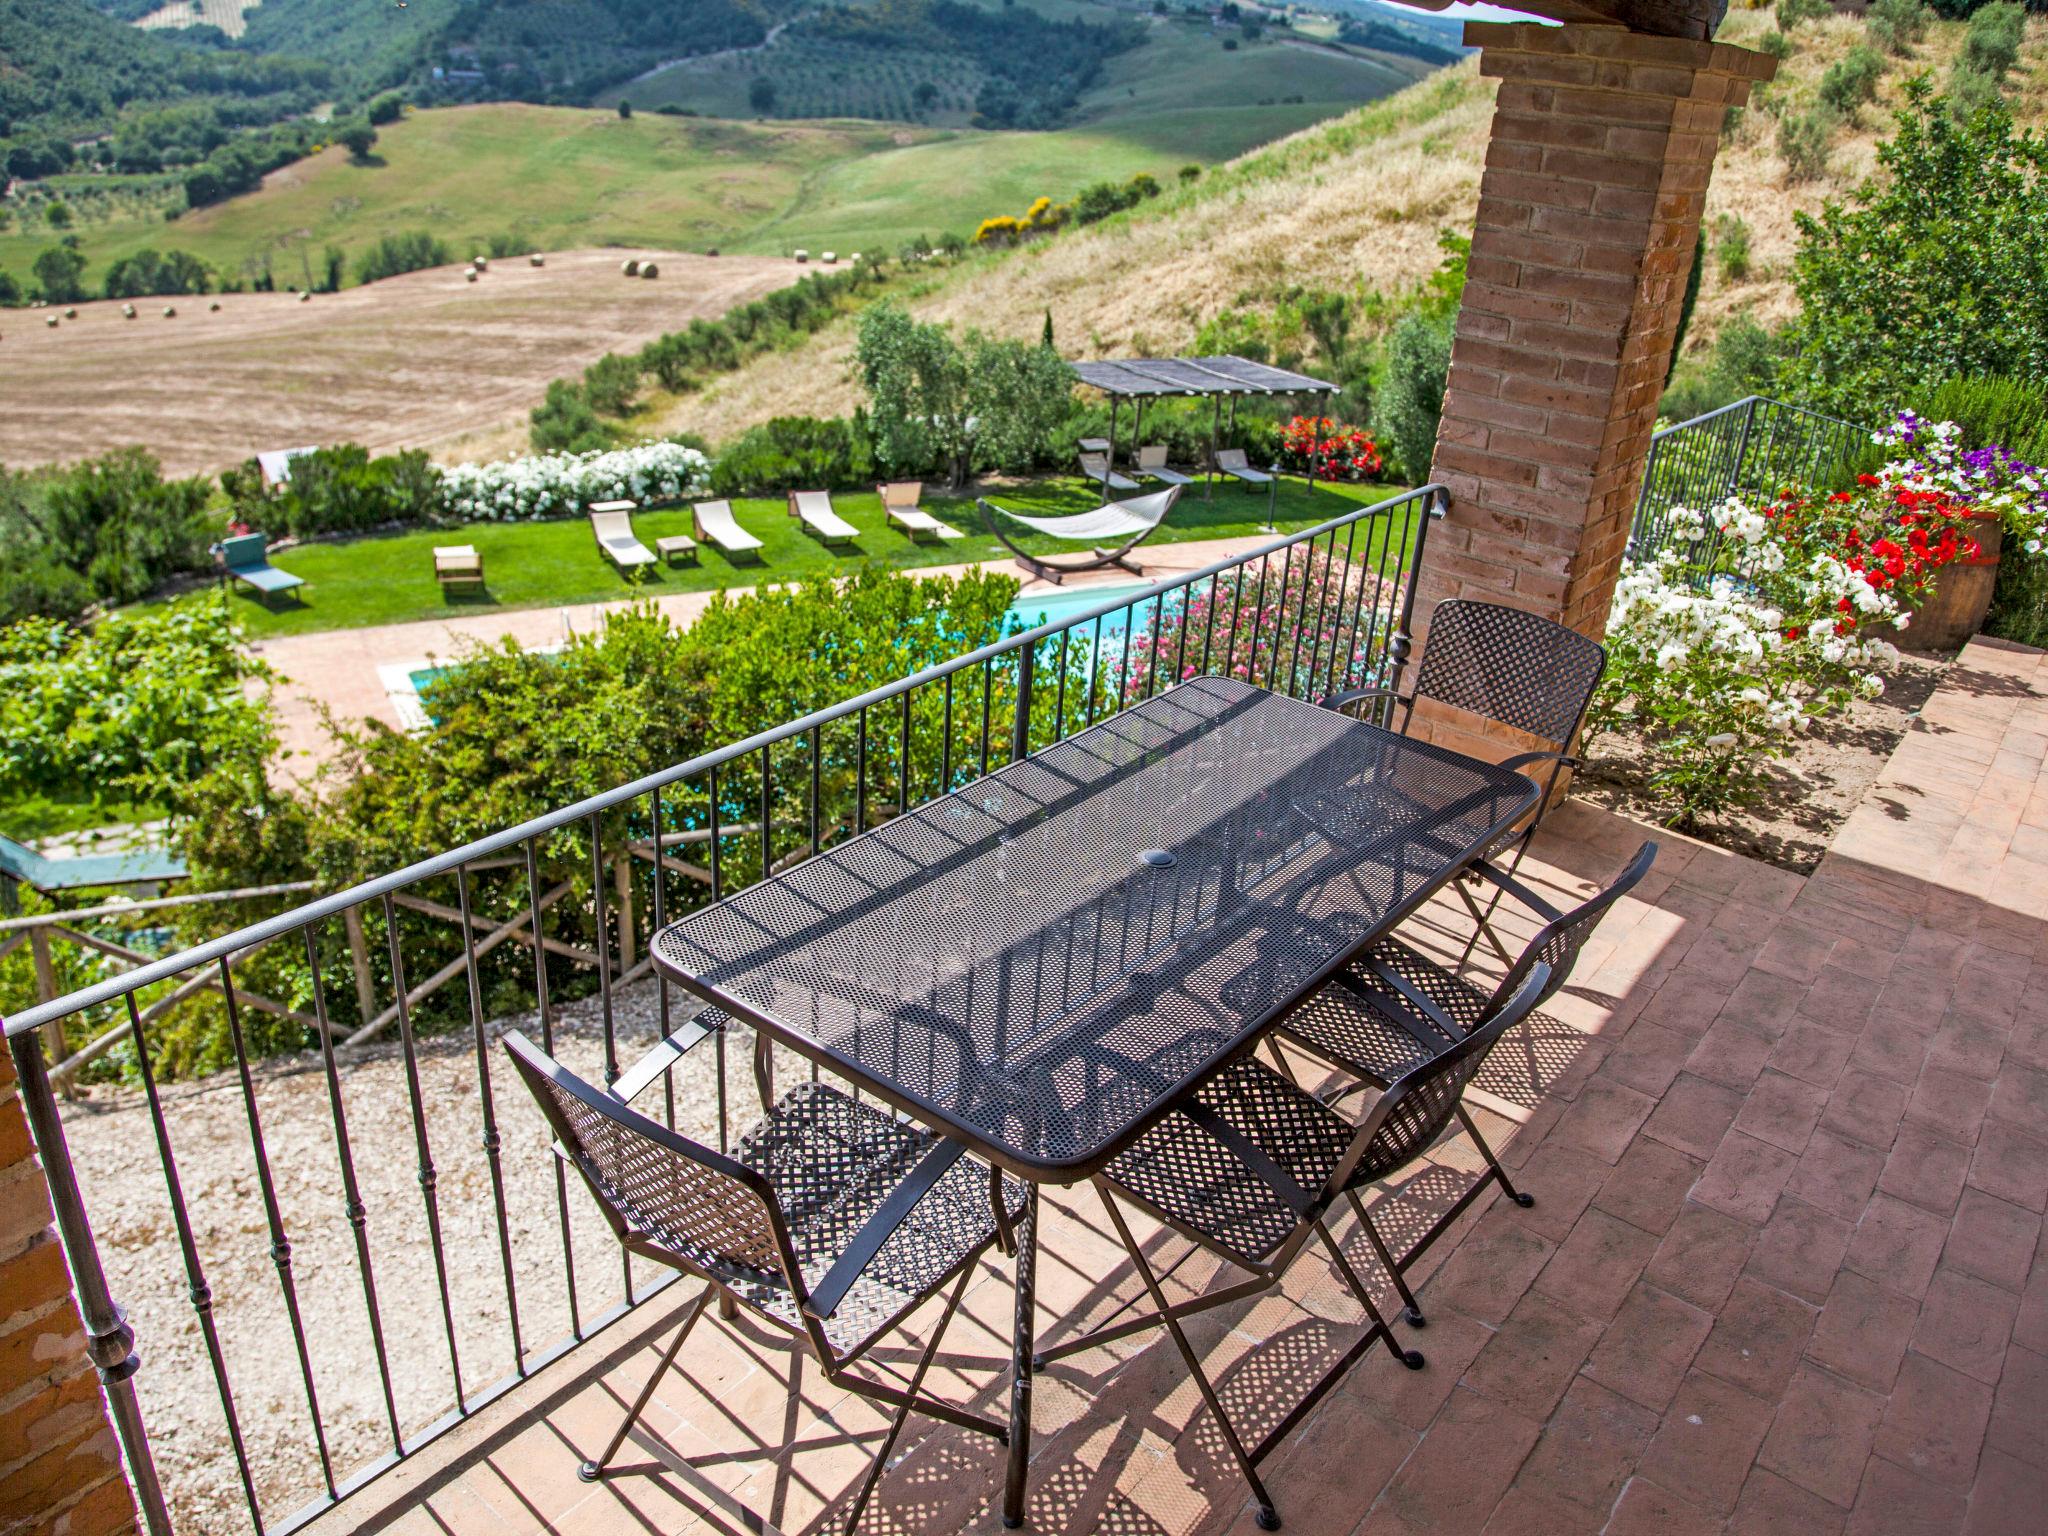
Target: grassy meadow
<point>389,579</point>
<point>556,178</point>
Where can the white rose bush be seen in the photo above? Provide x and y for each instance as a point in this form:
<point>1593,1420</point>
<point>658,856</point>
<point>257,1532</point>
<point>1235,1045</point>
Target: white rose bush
<point>563,484</point>
<point>1761,617</point>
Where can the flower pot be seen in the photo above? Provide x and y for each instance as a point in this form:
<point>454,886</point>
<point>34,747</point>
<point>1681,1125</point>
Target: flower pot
<point>1962,594</point>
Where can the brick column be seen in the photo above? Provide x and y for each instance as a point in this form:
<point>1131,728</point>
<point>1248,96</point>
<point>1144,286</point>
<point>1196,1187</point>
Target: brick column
<point>1596,175</point>
<point>60,1465</point>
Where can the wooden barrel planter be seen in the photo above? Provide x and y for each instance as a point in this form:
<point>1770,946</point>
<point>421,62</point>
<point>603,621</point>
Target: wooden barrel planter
<point>1962,593</point>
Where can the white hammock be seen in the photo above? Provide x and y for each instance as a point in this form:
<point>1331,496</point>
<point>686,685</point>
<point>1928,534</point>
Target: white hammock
<point>1112,520</point>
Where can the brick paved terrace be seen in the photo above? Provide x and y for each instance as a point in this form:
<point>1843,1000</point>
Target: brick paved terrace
<point>1785,1271</point>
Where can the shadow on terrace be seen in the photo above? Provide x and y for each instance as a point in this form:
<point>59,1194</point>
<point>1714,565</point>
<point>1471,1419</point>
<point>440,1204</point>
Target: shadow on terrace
<point>1786,1138</point>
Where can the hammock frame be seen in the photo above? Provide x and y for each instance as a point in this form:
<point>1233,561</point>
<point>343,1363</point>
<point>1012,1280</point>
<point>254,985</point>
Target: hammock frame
<point>1100,557</point>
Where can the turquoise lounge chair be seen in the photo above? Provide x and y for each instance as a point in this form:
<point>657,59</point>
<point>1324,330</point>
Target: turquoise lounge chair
<point>138,866</point>
<point>246,557</point>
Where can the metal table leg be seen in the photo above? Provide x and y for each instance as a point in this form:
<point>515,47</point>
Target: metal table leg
<point>1020,1364</point>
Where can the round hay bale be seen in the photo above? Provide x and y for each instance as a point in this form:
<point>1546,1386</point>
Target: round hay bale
<point>170,311</point>
<point>803,255</point>
<point>305,298</point>
<point>829,257</point>
<point>470,275</point>
<point>630,268</point>
<point>128,311</point>
<point>481,263</point>
<point>536,260</point>
<point>650,270</point>
<point>70,314</point>
<point>214,307</point>
<point>51,322</point>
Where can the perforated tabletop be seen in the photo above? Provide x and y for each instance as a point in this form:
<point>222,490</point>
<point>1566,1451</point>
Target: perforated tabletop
<point>1041,963</point>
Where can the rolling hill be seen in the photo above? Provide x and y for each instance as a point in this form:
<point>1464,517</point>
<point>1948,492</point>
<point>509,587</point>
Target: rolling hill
<point>1352,202</point>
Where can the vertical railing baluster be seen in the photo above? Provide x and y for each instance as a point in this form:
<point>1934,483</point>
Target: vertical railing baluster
<point>1180,657</point>
<point>661,1000</point>
<point>1333,682</point>
<point>352,1195</point>
<point>860,773</point>
<point>717,872</point>
<point>601,942</point>
<point>273,1215</point>
<point>1123,664</point>
<point>429,1178</point>
<point>487,1107</point>
<point>903,758</point>
<point>1020,724</point>
<point>196,1288</point>
<point>946,742</point>
<point>1209,629</point>
<point>988,696</point>
<point>544,1006</point>
<point>767,817</point>
<point>1280,616</point>
<point>1094,669</point>
<point>817,785</point>
<point>1059,724</point>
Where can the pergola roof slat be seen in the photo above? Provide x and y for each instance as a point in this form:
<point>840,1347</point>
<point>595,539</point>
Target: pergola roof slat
<point>1145,376</point>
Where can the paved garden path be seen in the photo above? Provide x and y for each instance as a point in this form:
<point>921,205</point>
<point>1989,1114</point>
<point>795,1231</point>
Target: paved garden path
<point>338,669</point>
<point>1785,1272</point>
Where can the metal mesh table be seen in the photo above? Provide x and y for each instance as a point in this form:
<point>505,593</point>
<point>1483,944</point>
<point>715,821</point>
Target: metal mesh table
<point>1043,963</point>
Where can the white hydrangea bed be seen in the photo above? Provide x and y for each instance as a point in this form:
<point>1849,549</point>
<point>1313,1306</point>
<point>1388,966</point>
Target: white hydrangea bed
<point>560,484</point>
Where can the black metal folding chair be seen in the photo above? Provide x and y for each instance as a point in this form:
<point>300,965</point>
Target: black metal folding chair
<point>1519,669</point>
<point>1250,1167</point>
<point>830,1220</point>
<point>1394,1009</point>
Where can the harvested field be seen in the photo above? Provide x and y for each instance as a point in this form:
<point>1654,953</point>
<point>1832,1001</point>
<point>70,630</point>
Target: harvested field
<point>412,362</point>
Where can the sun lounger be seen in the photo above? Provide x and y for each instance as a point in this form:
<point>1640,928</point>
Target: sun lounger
<point>715,524</point>
<point>900,505</point>
<point>612,522</point>
<point>1096,467</point>
<point>1232,462</point>
<point>456,564</point>
<point>246,558</point>
<point>814,508</point>
<point>1152,465</point>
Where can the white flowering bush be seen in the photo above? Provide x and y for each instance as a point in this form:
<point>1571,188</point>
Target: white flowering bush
<point>561,484</point>
<point>1713,682</point>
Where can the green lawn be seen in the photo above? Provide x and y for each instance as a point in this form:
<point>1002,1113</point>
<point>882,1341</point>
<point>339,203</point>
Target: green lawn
<point>30,815</point>
<point>390,579</point>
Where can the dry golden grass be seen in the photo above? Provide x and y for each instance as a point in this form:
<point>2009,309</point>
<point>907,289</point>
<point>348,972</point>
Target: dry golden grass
<point>1146,284</point>
<point>1357,201</point>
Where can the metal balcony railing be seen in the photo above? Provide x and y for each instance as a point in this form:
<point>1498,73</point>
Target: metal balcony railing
<point>1752,447</point>
<point>309,1274</point>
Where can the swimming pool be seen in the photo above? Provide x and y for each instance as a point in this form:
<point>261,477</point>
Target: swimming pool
<point>407,684</point>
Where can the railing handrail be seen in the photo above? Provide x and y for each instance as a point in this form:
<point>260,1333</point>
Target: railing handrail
<point>376,888</point>
<point>1747,402</point>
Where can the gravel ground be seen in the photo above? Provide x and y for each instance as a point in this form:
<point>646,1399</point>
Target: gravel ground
<point>114,1148</point>
<point>1808,795</point>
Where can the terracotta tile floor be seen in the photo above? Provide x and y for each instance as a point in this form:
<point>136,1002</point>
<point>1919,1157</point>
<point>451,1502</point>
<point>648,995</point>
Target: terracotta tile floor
<point>1785,1272</point>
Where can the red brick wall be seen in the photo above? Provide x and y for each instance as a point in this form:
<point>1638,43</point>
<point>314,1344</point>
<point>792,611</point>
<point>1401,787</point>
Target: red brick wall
<point>60,1466</point>
<point>1589,208</point>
